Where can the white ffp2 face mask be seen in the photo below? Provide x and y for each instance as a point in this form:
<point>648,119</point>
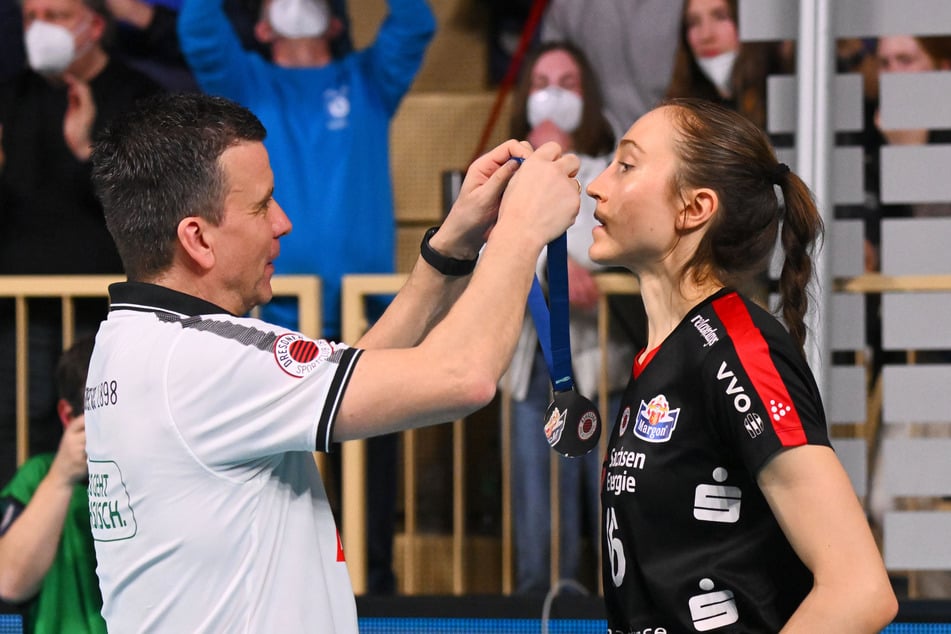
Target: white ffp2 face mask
<point>719,70</point>
<point>50,48</point>
<point>299,18</point>
<point>561,107</point>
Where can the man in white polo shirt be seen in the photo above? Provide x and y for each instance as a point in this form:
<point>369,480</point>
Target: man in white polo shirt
<point>206,506</point>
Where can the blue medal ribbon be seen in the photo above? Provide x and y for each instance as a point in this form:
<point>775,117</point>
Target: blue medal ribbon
<point>551,317</point>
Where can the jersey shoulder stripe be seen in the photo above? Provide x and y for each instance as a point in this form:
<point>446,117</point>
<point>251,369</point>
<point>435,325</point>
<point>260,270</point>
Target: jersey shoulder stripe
<point>753,352</point>
<point>243,334</point>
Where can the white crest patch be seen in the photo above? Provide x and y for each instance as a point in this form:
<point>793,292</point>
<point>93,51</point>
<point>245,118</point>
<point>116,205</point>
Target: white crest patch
<point>299,356</point>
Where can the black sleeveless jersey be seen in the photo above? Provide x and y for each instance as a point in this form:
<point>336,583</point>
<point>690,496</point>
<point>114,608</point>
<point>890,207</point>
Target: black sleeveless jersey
<point>689,543</point>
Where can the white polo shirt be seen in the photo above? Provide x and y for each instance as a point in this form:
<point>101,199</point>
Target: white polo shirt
<point>206,506</point>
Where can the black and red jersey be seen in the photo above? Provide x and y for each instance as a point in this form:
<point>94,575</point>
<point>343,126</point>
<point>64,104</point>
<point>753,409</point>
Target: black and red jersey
<point>689,542</point>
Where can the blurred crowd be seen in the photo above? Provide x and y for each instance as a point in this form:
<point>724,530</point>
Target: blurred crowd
<point>593,67</point>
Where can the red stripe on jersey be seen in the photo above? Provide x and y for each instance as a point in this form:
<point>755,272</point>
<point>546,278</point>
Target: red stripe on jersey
<point>753,352</point>
<point>639,366</point>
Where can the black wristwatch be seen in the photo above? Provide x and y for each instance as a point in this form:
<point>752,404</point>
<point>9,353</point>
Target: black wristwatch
<point>446,266</point>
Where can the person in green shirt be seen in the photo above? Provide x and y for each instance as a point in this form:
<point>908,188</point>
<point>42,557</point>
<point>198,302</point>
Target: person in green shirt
<point>47,557</point>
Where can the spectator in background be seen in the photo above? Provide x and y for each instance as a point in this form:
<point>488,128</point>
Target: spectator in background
<point>713,64</point>
<point>910,54</point>
<point>904,54</point>
<point>629,44</point>
<point>558,99</point>
<point>147,40</point>
<point>53,223</point>
<point>506,21</point>
<point>328,125</point>
<point>147,37</point>
<point>892,54</point>
<point>47,557</point>
<point>12,56</point>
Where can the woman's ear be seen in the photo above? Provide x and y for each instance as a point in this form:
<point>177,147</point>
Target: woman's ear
<point>699,208</point>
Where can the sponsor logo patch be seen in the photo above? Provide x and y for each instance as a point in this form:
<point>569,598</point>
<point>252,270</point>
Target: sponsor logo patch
<point>713,609</point>
<point>587,425</point>
<point>299,356</point>
<point>778,409</point>
<point>625,419</point>
<point>655,421</point>
<point>111,516</point>
<point>337,102</point>
<point>555,425</point>
<point>753,424</point>
<point>708,332</point>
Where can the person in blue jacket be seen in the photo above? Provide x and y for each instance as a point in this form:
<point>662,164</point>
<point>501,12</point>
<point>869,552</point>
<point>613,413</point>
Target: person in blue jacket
<point>328,127</point>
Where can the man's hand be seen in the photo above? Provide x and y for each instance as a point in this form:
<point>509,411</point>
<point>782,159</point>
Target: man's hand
<point>135,12</point>
<point>79,118</point>
<point>901,137</point>
<point>69,465</point>
<point>477,207</point>
<point>544,196</point>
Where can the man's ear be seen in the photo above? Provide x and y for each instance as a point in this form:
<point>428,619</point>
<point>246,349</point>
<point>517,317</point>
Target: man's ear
<point>263,31</point>
<point>699,209</point>
<point>194,238</point>
<point>97,27</point>
<point>64,411</point>
<point>334,29</point>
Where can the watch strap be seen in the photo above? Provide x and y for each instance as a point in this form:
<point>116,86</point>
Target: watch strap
<point>447,266</point>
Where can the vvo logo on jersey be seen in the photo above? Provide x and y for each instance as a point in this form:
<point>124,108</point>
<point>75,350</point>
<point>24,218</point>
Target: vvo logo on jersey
<point>655,421</point>
<point>297,355</point>
<point>741,401</point>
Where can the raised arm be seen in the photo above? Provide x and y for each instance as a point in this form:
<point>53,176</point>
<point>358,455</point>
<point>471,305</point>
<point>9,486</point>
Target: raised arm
<point>397,53</point>
<point>455,367</point>
<point>28,546</point>
<point>813,500</point>
<point>213,50</point>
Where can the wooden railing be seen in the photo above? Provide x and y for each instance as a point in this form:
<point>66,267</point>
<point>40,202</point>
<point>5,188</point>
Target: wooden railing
<point>68,288</point>
<point>355,289</point>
